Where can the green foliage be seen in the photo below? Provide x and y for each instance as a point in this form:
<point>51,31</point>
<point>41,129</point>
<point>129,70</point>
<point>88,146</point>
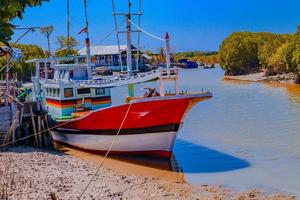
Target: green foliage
<point>268,44</point>
<point>66,47</point>
<point>10,9</point>
<point>245,52</point>
<point>66,52</point>
<point>239,53</point>
<point>279,61</point>
<point>206,57</point>
<point>23,69</point>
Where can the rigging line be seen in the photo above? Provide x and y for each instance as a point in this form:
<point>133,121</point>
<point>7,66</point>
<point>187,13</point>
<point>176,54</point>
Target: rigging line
<point>111,144</point>
<point>4,67</point>
<point>86,18</point>
<point>110,33</point>
<point>38,133</point>
<point>151,35</point>
<point>30,29</point>
<point>118,38</point>
<point>68,25</point>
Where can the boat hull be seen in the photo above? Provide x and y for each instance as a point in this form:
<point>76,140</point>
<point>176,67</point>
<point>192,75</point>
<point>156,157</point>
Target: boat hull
<point>149,127</point>
<point>151,144</point>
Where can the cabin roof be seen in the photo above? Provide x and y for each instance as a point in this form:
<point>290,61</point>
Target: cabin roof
<point>69,66</point>
<point>53,59</point>
<point>105,50</point>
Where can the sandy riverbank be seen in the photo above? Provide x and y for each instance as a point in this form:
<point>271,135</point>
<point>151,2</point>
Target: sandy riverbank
<point>259,77</point>
<point>33,174</point>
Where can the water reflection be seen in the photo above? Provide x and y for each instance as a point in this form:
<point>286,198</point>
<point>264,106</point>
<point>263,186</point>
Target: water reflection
<point>292,90</point>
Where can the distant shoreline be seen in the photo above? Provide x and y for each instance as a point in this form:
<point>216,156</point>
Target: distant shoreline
<point>260,77</point>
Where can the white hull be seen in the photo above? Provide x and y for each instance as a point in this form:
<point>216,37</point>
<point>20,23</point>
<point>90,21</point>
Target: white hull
<point>149,142</point>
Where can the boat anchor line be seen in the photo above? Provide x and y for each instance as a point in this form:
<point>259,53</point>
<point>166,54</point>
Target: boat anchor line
<point>35,134</point>
<point>108,151</point>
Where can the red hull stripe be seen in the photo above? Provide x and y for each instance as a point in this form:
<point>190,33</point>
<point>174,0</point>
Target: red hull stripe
<point>131,131</point>
<point>157,153</point>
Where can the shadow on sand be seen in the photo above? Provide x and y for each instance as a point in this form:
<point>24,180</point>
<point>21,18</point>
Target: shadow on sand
<point>193,158</point>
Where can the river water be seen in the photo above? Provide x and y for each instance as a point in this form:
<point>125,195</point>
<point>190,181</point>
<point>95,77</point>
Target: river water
<point>246,136</point>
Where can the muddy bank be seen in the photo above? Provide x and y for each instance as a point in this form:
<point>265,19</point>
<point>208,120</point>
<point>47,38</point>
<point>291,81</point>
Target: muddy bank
<point>260,77</point>
<point>27,173</point>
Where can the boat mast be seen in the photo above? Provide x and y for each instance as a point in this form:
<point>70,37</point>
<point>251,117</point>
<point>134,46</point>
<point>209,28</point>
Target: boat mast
<point>68,26</point>
<point>87,43</point>
<point>117,32</point>
<point>128,34</point>
<point>139,35</point>
<point>168,59</point>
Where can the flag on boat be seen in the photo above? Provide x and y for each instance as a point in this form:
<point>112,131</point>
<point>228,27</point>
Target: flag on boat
<point>84,30</point>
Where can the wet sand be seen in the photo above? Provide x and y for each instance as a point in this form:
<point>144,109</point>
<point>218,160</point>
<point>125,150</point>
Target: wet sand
<point>260,77</point>
<point>132,165</point>
<point>28,173</point>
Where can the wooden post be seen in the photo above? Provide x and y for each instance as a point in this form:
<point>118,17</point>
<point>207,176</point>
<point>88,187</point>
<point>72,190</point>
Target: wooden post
<point>176,86</point>
<point>21,115</point>
<point>44,136</point>
<point>33,125</point>
<point>162,87</point>
<point>39,129</point>
<point>50,141</point>
<point>14,126</point>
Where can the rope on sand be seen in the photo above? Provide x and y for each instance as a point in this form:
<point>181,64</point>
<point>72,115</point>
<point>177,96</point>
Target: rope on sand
<point>109,149</point>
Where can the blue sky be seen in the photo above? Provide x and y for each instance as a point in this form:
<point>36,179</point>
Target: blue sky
<point>192,24</point>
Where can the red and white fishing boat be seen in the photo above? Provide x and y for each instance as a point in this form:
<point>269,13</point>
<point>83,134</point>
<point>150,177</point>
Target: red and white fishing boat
<point>86,119</point>
<point>144,126</point>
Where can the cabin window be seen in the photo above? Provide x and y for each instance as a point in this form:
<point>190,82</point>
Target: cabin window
<point>100,91</point>
<point>56,93</point>
<point>84,91</point>
<point>68,92</point>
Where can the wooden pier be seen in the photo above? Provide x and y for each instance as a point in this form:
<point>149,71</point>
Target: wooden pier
<point>24,124</point>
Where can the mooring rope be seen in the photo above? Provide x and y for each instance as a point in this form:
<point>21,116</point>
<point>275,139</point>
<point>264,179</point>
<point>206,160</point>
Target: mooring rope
<point>108,151</point>
<point>38,133</point>
<point>151,35</point>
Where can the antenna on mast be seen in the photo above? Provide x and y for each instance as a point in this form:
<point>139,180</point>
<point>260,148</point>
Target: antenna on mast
<point>128,32</point>
<point>47,30</point>
<point>68,26</point>
<point>87,43</point>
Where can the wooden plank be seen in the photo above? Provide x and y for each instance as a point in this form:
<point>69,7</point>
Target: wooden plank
<point>33,125</point>
<point>5,122</point>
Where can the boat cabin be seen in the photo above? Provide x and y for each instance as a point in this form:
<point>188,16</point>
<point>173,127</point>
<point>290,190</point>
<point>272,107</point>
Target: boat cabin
<point>68,89</point>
